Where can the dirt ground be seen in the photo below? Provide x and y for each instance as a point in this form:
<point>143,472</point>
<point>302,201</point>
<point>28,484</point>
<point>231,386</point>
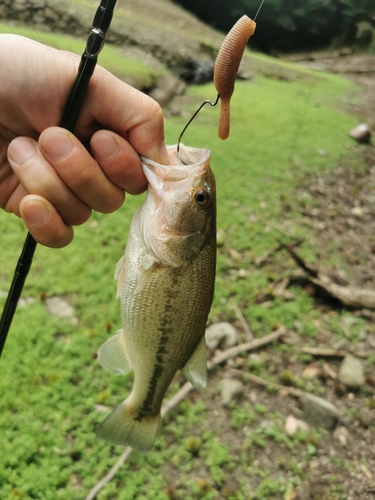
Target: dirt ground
<point>344,212</point>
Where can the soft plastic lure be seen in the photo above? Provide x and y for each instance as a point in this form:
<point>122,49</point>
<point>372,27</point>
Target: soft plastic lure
<point>226,68</point>
<point>225,71</point>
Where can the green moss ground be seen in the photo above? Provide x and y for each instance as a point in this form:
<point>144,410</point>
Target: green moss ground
<point>50,382</point>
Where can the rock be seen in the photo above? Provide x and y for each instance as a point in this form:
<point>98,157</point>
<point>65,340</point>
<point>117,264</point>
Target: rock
<point>361,133</point>
<point>341,434</point>
<point>167,88</point>
<point>222,335</point>
<point>351,372</point>
<point>60,307</point>
<point>292,425</point>
<point>230,389</point>
<point>319,412</point>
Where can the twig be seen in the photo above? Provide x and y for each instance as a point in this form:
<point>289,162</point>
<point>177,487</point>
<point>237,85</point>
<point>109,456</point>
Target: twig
<point>311,270</point>
<point>331,353</point>
<point>232,352</point>
<point>245,326</point>
<point>184,391</point>
<point>110,474</point>
<point>265,383</point>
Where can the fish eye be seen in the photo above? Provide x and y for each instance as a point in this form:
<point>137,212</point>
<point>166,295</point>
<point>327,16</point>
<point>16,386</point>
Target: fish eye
<point>202,197</point>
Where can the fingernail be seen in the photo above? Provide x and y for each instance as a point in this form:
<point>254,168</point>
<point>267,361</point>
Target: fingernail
<point>21,150</point>
<point>105,147</point>
<point>164,155</point>
<point>36,212</point>
<point>57,144</point>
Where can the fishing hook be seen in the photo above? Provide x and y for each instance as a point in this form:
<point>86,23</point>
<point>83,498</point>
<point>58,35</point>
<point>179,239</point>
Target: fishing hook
<point>94,45</point>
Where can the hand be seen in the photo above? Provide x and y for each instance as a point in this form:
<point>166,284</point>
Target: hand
<point>48,176</point>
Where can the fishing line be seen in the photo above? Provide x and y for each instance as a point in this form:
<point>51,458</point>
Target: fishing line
<point>94,45</point>
<point>225,72</point>
<point>260,6</point>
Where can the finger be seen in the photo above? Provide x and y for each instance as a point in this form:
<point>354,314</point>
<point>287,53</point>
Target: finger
<point>123,109</point>
<point>38,177</point>
<point>44,222</point>
<point>120,163</point>
<point>79,170</point>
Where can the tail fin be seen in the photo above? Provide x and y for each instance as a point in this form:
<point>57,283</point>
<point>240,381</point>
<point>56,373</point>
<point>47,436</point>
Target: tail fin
<point>120,427</point>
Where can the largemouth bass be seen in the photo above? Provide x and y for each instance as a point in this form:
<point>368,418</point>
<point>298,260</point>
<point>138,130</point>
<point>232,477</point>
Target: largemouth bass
<point>165,284</point>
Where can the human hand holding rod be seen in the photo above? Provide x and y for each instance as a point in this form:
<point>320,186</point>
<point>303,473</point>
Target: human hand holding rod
<point>48,176</point>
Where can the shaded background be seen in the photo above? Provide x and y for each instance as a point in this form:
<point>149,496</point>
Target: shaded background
<point>292,25</point>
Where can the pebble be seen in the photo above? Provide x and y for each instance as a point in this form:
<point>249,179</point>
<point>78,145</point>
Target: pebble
<point>230,389</point>
<point>221,335</point>
<point>361,133</point>
<point>351,372</point>
<point>60,307</point>
<point>319,412</point>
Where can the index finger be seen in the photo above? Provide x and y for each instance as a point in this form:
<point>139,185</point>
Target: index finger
<point>125,110</point>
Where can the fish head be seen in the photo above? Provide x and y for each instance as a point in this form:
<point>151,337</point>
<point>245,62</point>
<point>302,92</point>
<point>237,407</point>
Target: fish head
<point>180,205</point>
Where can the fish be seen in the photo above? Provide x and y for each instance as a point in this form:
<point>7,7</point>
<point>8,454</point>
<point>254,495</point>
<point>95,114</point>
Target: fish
<point>166,285</point>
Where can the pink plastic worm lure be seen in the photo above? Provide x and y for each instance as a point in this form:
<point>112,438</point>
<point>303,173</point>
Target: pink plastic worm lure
<point>226,68</point>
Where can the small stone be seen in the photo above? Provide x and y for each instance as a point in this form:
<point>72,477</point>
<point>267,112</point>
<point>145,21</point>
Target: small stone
<point>357,211</point>
<point>319,412</point>
<point>292,425</point>
<point>222,335</point>
<point>341,434</point>
<point>60,307</point>
<point>230,389</point>
<point>351,372</point>
<point>361,133</point>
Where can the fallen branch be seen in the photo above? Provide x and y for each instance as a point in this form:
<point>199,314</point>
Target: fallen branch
<point>184,391</point>
<point>348,295</point>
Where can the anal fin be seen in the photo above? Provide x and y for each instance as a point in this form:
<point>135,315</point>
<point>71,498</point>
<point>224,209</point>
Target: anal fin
<point>195,370</point>
<point>113,355</point>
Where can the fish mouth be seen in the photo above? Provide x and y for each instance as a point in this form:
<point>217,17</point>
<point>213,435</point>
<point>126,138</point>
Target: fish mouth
<point>179,175</point>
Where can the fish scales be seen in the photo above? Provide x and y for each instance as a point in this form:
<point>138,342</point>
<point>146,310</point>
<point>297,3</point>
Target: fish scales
<point>166,284</point>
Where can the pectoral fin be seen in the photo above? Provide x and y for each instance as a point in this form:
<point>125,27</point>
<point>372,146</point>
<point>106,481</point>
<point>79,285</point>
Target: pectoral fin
<point>113,355</point>
<point>195,369</point>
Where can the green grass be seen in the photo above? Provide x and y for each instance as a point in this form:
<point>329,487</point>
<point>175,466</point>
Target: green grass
<point>113,58</point>
<point>49,379</point>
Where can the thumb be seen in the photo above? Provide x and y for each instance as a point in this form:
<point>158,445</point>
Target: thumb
<point>44,222</point>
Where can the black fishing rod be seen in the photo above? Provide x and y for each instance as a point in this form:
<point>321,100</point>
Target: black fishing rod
<point>94,45</point>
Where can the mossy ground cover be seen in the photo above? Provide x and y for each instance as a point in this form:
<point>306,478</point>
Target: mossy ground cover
<point>53,391</point>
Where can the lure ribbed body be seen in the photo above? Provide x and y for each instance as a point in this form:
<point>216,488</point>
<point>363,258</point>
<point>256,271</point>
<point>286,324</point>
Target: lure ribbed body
<point>226,68</point>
